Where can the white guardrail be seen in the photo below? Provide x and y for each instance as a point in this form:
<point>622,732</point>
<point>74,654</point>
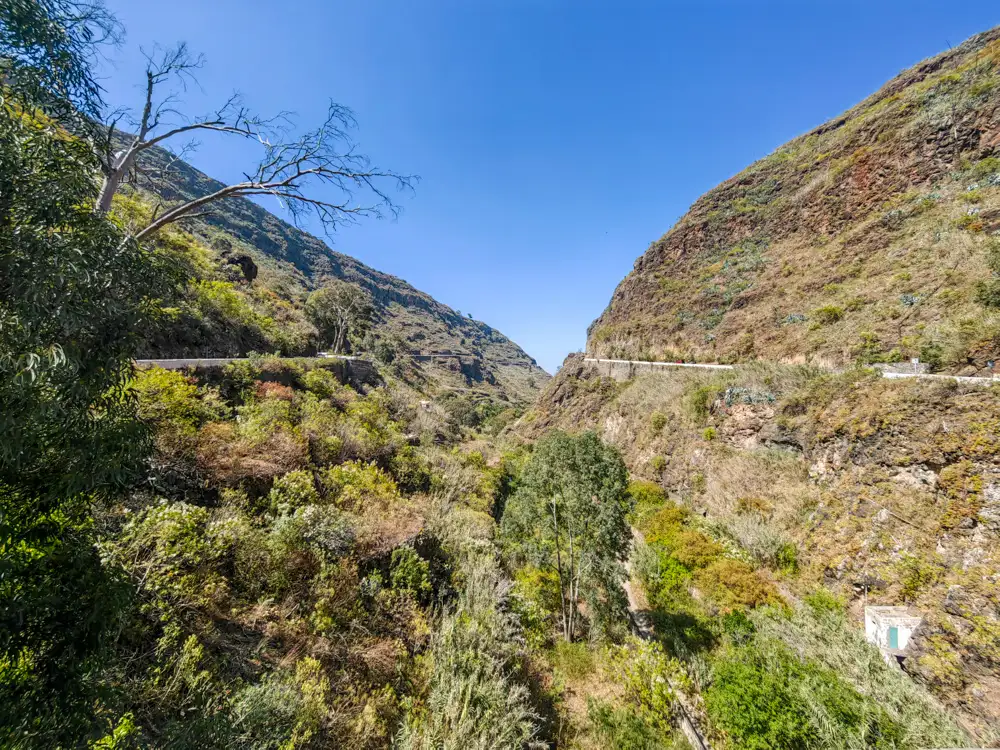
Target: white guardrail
<point>892,375</point>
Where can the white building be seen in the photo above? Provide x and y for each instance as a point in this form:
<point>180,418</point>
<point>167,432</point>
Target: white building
<point>890,629</point>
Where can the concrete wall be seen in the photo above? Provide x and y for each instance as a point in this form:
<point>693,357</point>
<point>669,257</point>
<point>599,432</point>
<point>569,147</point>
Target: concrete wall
<point>622,369</point>
<point>351,370</point>
<point>879,621</point>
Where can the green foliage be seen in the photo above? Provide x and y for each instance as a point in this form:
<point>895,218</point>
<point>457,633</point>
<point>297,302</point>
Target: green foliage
<point>535,599</point>
<point>283,711</point>
<point>358,485</point>
<point>733,583</point>
<point>823,602</point>
<point>569,515</point>
<point>74,293</point>
<point>410,572</point>
<point>647,498</point>
<point>699,401</point>
<point>753,700</point>
<point>658,421</point>
<point>915,574</point>
<point>239,379</point>
<point>574,660</point>
<point>291,491</point>
<point>166,397</point>
<point>341,312</point>
<point>624,728</point>
<point>46,49</point>
<point>828,314</point>
<point>475,699</point>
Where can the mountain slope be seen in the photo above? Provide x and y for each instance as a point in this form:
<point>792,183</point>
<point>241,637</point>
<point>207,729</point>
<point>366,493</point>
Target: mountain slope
<point>290,262</point>
<point>863,239</point>
<point>870,239</point>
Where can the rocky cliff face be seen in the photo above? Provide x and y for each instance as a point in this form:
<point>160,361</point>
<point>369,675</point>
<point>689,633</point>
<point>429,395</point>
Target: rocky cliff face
<point>862,239</point>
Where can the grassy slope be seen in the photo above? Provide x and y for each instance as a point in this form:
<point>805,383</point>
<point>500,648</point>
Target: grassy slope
<point>889,486</point>
<point>863,238</point>
<point>292,262</point>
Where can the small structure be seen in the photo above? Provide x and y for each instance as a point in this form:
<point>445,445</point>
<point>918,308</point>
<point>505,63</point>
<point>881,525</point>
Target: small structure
<point>890,629</point>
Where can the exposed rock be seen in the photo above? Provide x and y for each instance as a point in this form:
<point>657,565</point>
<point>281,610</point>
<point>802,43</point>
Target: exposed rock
<point>918,477</point>
<point>989,514</point>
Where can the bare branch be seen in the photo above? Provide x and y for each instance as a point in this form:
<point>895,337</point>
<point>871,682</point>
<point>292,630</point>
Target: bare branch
<point>319,173</point>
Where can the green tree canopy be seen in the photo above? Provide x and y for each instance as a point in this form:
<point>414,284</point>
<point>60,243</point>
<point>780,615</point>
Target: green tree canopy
<point>341,312</point>
<point>569,515</point>
<point>74,295</point>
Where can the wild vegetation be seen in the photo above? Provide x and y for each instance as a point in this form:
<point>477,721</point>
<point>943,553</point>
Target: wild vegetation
<point>278,554</point>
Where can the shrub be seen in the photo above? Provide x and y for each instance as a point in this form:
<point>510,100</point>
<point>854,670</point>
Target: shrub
<point>709,433</point>
<point>239,379</point>
<point>828,314</point>
<point>822,601</point>
<point>574,660</point>
<point>699,401</point>
<point>664,525</point>
<point>732,584</point>
<point>410,572</point>
<point>658,463</point>
<point>658,421</point>
<point>535,599</point>
<point>293,490</point>
<point>475,699</point>
<point>766,544</point>
<point>755,702</point>
<point>624,728</point>
<point>174,403</point>
<point>174,550</point>
<point>261,420</point>
<point>694,550</point>
<point>646,496</point>
<point>358,485</point>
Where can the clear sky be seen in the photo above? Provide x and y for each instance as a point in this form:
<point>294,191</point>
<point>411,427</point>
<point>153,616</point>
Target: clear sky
<point>555,139</point>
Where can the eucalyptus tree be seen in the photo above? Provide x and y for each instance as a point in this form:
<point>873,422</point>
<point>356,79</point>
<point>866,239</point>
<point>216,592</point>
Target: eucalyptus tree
<point>568,515</point>
<point>339,309</point>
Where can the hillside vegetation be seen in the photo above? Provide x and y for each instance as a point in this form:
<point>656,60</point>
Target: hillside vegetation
<point>867,239</point>
<point>300,553</point>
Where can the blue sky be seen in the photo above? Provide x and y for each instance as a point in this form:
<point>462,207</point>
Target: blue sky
<point>554,139</point>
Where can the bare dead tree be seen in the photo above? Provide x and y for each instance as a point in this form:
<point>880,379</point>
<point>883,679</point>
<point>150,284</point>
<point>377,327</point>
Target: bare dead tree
<point>318,173</point>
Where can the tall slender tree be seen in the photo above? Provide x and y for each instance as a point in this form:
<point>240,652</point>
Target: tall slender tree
<point>569,515</point>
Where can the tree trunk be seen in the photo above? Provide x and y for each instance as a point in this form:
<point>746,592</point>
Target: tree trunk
<point>559,569</point>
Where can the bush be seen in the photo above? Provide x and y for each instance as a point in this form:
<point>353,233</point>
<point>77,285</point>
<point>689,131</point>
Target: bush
<point>658,421</point>
<point>755,703</point>
<point>358,485</point>
<point>694,550</point>
<point>293,490</point>
<point>647,498</point>
<point>763,696</point>
<point>828,314</point>
<point>766,544</point>
<point>174,404</point>
<point>535,600</point>
<point>732,584</point>
<point>410,572</point>
<point>624,728</point>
